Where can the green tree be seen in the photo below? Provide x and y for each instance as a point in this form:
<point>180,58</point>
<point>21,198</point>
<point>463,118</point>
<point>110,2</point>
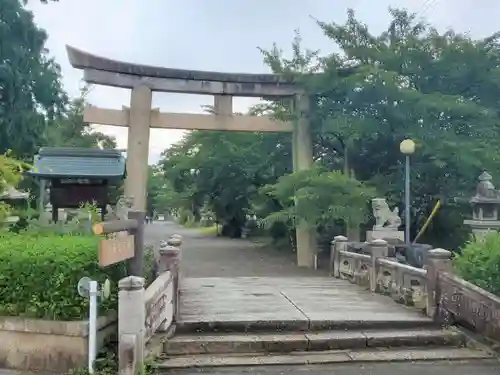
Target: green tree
<point>161,197</point>
<point>224,170</point>
<point>70,130</point>
<point>31,96</point>
<point>319,197</point>
<point>11,172</point>
<point>408,82</point>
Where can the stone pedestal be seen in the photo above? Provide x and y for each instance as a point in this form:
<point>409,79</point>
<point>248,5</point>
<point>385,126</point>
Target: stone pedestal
<point>481,228</point>
<point>385,234</point>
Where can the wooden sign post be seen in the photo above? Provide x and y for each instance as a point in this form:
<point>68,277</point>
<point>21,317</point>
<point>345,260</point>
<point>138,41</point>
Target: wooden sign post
<point>125,241</point>
<point>116,248</point>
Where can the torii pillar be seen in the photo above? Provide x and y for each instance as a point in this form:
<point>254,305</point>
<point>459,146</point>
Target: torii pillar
<point>136,181</point>
<point>303,159</point>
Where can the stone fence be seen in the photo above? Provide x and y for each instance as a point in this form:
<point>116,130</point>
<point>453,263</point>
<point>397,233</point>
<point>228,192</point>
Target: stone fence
<point>142,312</point>
<point>434,289</point>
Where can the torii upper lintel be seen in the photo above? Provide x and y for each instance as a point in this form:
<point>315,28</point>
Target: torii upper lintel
<point>101,70</point>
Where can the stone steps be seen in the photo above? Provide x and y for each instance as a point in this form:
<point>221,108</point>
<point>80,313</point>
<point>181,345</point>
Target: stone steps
<point>189,344</point>
<point>315,347</point>
<point>246,360</point>
<point>263,326</point>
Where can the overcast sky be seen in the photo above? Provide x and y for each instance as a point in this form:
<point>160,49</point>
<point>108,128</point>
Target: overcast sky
<point>218,35</point>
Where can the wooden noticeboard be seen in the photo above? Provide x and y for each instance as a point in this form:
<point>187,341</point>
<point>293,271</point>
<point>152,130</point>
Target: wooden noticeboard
<point>118,247</point>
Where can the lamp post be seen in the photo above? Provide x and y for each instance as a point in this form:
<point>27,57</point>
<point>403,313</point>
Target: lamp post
<point>407,147</point>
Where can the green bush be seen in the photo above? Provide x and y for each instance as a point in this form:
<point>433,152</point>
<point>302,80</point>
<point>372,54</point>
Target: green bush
<point>479,263</point>
<point>39,274</point>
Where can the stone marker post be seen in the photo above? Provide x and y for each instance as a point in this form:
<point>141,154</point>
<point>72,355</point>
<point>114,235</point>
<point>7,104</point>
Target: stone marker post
<point>339,244</point>
<point>378,249</point>
<point>438,260</point>
<point>131,324</point>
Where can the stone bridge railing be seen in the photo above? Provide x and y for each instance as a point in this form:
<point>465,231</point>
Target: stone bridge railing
<point>142,312</point>
<point>434,289</point>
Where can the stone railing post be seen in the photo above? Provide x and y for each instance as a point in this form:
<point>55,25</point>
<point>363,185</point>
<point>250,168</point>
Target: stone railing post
<point>170,257</point>
<point>338,244</point>
<point>131,324</point>
<point>438,260</point>
<point>127,355</point>
<point>378,249</point>
<point>175,240</point>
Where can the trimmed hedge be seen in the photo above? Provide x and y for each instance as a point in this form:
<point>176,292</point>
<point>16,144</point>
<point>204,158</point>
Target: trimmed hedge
<point>39,275</point>
<point>479,263</point>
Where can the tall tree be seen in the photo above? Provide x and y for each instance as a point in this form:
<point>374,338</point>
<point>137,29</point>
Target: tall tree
<point>70,130</point>
<point>408,82</point>
<point>30,89</point>
<point>440,89</point>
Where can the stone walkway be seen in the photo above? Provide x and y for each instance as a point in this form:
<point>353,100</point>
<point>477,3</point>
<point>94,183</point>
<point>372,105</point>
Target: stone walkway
<point>210,256</point>
<point>236,281</point>
<point>301,303</point>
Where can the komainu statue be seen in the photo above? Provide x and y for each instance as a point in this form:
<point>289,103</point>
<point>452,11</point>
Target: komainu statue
<point>384,217</point>
<point>123,206</point>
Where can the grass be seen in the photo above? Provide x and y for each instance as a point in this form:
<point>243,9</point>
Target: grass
<point>209,231</point>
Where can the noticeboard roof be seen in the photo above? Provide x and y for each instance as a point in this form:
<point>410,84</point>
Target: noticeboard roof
<point>72,162</point>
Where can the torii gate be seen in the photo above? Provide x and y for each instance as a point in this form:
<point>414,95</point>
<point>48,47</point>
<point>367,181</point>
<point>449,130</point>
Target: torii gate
<point>140,117</point>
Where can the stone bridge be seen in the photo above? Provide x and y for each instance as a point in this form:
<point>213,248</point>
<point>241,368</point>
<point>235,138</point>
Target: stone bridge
<point>243,304</point>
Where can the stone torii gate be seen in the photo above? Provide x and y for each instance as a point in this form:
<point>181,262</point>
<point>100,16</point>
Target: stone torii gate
<point>140,117</point>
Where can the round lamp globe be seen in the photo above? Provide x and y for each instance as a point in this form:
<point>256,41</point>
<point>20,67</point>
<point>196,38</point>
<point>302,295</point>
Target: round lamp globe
<point>407,147</point>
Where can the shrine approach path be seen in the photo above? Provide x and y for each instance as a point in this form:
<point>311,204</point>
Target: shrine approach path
<point>210,256</point>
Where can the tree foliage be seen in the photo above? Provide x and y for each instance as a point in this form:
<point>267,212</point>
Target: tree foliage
<point>35,111</point>
<point>70,130</point>
<point>410,81</point>
<point>161,196</point>
<point>11,171</point>
<point>479,261</point>
<point>413,82</point>
<point>319,197</point>
<point>225,170</point>
<point>31,96</point>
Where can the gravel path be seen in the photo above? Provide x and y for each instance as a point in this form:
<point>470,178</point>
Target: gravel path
<point>210,256</point>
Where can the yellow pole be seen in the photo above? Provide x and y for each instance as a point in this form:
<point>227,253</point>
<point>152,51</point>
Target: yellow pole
<point>429,219</point>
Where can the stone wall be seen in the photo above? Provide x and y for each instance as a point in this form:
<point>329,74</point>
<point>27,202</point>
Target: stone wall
<point>49,346</point>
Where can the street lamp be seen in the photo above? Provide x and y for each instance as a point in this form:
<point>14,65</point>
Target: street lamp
<point>407,147</point>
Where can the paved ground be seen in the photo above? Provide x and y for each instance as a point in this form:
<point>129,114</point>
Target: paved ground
<point>234,280</point>
<point>300,301</point>
<point>209,256</point>
<point>431,368</point>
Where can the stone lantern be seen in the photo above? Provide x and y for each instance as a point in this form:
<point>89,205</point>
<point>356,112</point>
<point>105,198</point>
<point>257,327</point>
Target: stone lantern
<point>485,206</point>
